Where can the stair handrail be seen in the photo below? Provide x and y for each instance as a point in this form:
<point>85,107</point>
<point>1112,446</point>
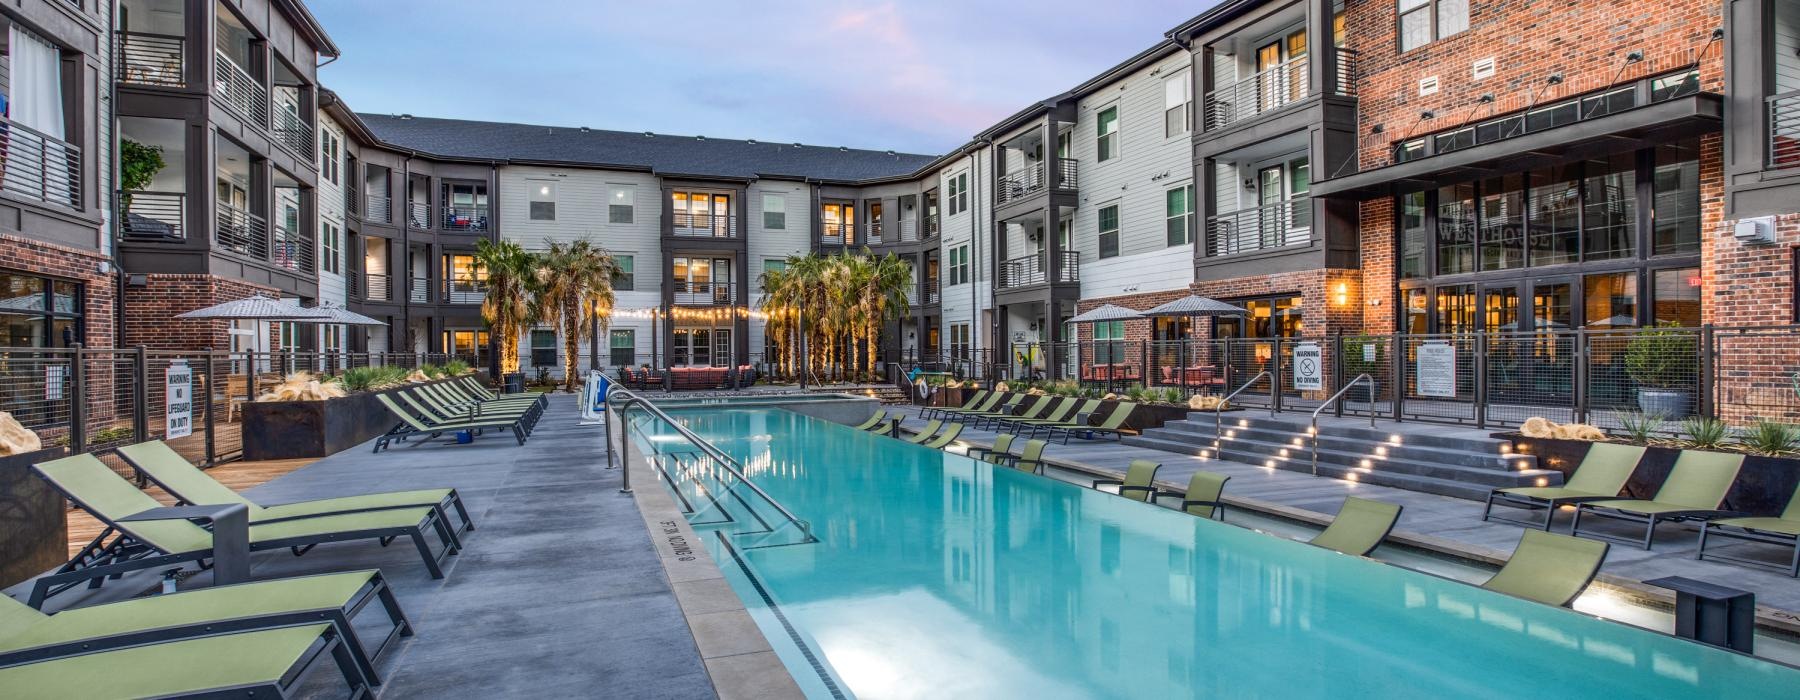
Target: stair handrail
<point>1219,423</point>
<point>632,398</point>
<point>1313,431</point>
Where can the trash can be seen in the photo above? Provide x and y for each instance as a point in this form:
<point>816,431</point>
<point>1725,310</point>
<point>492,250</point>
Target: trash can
<point>515,383</point>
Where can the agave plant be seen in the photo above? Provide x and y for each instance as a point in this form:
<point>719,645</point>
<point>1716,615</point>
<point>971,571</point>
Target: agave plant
<point>1705,433</point>
<point>1641,426</point>
<point>1770,438</point>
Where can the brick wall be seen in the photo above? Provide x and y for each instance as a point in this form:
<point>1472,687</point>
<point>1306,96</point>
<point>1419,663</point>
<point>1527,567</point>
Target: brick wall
<point>151,321</point>
<point>1134,330</point>
<point>37,257</point>
<point>1751,285</point>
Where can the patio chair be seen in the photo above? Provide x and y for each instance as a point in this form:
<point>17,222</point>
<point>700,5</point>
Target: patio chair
<point>1030,459</point>
<point>171,471</point>
<point>931,428</point>
<point>1203,495</point>
<point>411,425</point>
<point>993,399</point>
<point>1694,490</point>
<point>1054,410</point>
<point>263,663</point>
<point>423,402</point>
<point>1034,410</point>
<point>1600,476</point>
<point>888,427</point>
<point>474,386</point>
<point>992,455</point>
<point>452,396</point>
<point>1066,414</point>
<point>974,400</point>
<point>1114,421</point>
<point>27,635</point>
<point>1549,568</point>
<point>1360,526</point>
<point>94,487</point>
<point>943,439</point>
<point>1004,409</point>
<point>1783,530</point>
<point>874,420</point>
<point>1139,483</point>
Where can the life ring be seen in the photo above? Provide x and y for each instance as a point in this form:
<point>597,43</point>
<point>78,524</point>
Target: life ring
<point>925,388</point>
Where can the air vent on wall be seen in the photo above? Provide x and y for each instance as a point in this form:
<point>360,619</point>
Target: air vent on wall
<point>1428,86</point>
<point>1483,69</point>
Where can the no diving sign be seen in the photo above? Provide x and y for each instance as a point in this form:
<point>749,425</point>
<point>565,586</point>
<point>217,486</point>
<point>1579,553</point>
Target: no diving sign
<point>1309,369</point>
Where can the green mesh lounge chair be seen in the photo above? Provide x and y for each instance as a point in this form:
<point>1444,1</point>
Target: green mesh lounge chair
<point>1139,483</point>
<point>128,546</point>
<point>426,405</point>
<point>474,386</point>
<point>1600,476</point>
<point>1004,409</point>
<point>460,391</point>
<point>1360,526</point>
<point>1066,414</point>
<point>873,420</point>
<point>1202,498</point>
<point>974,400</point>
<point>163,465</point>
<point>998,454</point>
<point>270,663</point>
<point>411,425</point>
<point>1111,426</point>
<point>27,635</point>
<point>1693,491</point>
<point>931,428</point>
<point>990,403</point>
<point>1035,409</point>
<point>1549,568</point>
<point>888,427</point>
<point>943,439</point>
<point>449,403</point>
<point>1781,530</point>
<point>1030,459</point>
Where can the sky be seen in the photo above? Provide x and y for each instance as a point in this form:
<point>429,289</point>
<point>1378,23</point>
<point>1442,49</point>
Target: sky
<point>919,76</point>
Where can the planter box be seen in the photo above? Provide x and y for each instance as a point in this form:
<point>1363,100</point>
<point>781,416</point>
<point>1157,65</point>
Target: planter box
<point>313,429</point>
<point>34,529</point>
<point>1763,485</point>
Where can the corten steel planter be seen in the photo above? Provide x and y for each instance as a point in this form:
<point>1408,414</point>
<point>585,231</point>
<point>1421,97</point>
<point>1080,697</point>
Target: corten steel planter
<point>1763,485</point>
<point>312,429</point>
<point>34,529</point>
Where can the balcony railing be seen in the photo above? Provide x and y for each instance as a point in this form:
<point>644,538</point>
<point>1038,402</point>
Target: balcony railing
<point>377,287</point>
<point>1016,186</point>
<point>688,224</point>
<point>931,226</point>
<point>418,215</point>
<point>837,233</point>
<point>932,295</point>
<point>152,59</point>
<point>473,219</point>
<point>154,216</point>
<point>420,291</point>
<point>464,290</point>
<point>1271,89</point>
<point>241,92</point>
<point>380,209</point>
<point>1784,130</point>
<point>1030,269</point>
<point>1248,230</point>
<point>909,231</point>
<point>293,131</point>
<point>242,232</point>
<point>705,293</point>
<point>39,167</point>
<point>291,249</point>
<point>875,234</point>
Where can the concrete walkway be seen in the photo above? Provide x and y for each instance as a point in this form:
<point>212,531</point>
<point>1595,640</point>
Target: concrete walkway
<point>1435,522</point>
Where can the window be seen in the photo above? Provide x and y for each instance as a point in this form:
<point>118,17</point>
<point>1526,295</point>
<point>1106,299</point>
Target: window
<point>465,281</point>
<point>1109,231</point>
<point>1503,223</point>
<point>772,266</point>
<point>623,344</point>
<point>543,200</point>
<point>959,265</point>
<point>1555,203</point>
<point>1676,209</point>
<point>1609,300</point>
<point>468,344</point>
<point>1106,353</point>
<point>1412,235</point>
<point>331,338</point>
<point>329,148</point>
<point>1675,297</point>
<point>543,347</point>
<point>1609,221</point>
<point>331,248</point>
<point>959,340</point>
<point>621,203</point>
<point>1107,128</point>
<point>701,214</point>
<point>1425,21</point>
<point>1456,229</point>
<point>626,278</point>
<point>1178,204</point>
<point>774,207</point>
<point>950,196</point>
<point>1176,91</point>
<point>962,192</point>
<point>839,223</point>
<point>36,312</point>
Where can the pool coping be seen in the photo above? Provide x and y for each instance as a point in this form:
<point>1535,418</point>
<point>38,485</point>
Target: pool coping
<point>737,655</point>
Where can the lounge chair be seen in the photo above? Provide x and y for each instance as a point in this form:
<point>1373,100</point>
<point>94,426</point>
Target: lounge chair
<point>1203,495</point>
<point>974,400</point>
<point>1030,459</point>
<point>1114,421</point>
<point>1360,526</point>
<point>1071,411</point>
<point>1694,490</point>
<point>411,425</point>
<point>943,439</point>
<point>993,455</point>
<point>888,427</point>
<point>163,465</point>
<point>1549,568</point>
<point>1034,410</point>
<point>264,663</point>
<point>1600,476</point>
<point>1004,409</point>
<point>1783,530</point>
<point>474,386</point>
<point>993,399</point>
<point>90,484</point>
<point>27,635</point>
<point>1139,483</point>
<point>442,398</point>
<point>873,420</point>
<point>931,428</point>
<point>424,404</point>
<point>1055,411</point>
<point>465,389</point>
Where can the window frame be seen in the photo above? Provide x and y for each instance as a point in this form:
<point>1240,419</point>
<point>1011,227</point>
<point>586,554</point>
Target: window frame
<point>532,199</point>
<point>774,224</point>
<point>1101,230</point>
<point>1186,79</point>
<point>625,280</point>
<point>1106,143</point>
<point>1184,217</point>
<point>331,248</point>
<point>330,146</point>
<point>48,314</point>
<point>614,210</point>
<point>1433,14</point>
<point>613,348</point>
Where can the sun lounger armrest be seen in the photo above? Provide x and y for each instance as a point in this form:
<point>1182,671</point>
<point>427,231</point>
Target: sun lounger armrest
<point>978,452</point>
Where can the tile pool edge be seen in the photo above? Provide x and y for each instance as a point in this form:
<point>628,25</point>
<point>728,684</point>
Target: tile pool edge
<point>738,657</point>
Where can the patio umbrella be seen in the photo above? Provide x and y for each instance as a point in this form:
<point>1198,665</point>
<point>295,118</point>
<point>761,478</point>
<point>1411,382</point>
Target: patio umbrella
<point>1192,306</point>
<point>257,308</point>
<point>339,314</point>
<point>1108,312</point>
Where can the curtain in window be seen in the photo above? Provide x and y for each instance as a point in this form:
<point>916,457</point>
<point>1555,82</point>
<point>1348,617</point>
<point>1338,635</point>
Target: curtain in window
<point>36,83</point>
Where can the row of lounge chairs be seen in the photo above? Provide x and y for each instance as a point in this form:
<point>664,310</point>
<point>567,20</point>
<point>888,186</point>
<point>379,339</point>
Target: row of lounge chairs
<point>1694,491</point>
<point>1054,416</point>
<point>936,435</point>
<point>463,405</point>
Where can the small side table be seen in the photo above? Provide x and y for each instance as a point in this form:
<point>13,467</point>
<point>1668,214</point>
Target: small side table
<point>1712,614</point>
<point>230,532</point>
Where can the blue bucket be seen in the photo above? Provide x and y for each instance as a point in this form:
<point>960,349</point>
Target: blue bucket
<point>464,437</point>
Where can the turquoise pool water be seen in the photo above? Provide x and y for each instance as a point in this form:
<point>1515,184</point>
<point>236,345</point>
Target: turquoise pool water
<point>935,576</point>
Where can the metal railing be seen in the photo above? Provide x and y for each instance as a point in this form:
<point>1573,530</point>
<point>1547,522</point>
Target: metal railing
<point>1313,432</point>
<point>291,249</point>
<point>1031,269</point>
<point>704,293</point>
<point>473,219</point>
<point>1270,89</point>
<point>932,294</point>
<point>1218,415</point>
<point>153,216</point>
<point>688,224</point>
<point>837,233</point>
<point>875,237</point>
<point>242,232</point>
<point>377,286</point>
<point>464,290</point>
<point>931,226</point>
<point>152,59</point>
<point>380,209</point>
<point>908,232</point>
<point>1784,130</point>
<point>1016,186</point>
<point>1275,225</point>
<point>418,215</point>
<point>420,291</point>
<point>293,131</point>
<point>239,90</point>
<point>38,166</point>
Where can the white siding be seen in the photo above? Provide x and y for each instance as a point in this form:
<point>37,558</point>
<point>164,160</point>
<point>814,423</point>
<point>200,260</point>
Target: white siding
<point>1787,45</point>
<point>795,238</point>
<point>330,198</point>
<point>957,305</point>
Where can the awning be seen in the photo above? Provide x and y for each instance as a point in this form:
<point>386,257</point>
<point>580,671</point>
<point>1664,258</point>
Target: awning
<point>1632,129</point>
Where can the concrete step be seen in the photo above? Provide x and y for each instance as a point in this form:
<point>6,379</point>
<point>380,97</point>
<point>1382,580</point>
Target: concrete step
<point>1297,424</point>
<point>1300,458</point>
<point>1472,455</point>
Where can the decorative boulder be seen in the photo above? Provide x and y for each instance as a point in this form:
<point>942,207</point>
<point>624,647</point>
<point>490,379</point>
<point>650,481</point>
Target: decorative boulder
<point>16,439</point>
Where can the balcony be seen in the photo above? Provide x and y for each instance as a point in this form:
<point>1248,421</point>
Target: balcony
<point>836,233</point>
<point>467,219</point>
<point>39,167</point>
<point>1271,89</point>
<point>930,294</point>
<point>420,291</point>
<point>1030,269</point>
<point>1784,130</point>
<point>705,293</point>
<point>153,216</point>
<point>875,234</point>
<point>1019,185</point>
<point>291,250</point>
<point>690,225</point>
<point>293,131</point>
<point>464,290</point>
<point>380,209</point>
<point>152,59</point>
<point>242,93</point>
<point>377,287</point>
<point>418,215</point>
<point>242,232</point>
<point>931,226</point>
<point>1262,228</point>
<point>909,231</point>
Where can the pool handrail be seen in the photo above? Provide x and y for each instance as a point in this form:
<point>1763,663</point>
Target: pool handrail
<point>632,398</point>
<point>1313,432</point>
<point>1224,403</point>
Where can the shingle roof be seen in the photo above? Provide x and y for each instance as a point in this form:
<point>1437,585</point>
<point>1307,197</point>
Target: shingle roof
<point>661,153</point>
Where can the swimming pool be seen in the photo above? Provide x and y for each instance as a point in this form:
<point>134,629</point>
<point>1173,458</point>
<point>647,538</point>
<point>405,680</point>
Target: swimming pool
<point>938,576</point>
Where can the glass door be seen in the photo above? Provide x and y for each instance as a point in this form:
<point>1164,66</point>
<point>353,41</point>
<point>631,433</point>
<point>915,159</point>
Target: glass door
<point>1500,309</point>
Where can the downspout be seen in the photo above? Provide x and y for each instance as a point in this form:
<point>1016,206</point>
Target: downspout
<point>975,245</point>
<point>112,179</point>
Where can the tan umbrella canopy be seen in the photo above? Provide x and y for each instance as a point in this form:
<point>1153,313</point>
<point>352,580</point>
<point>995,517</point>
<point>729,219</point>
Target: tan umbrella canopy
<point>257,308</point>
<point>339,314</point>
<point>1108,312</point>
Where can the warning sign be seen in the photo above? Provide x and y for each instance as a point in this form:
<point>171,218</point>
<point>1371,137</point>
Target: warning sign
<point>1309,369</point>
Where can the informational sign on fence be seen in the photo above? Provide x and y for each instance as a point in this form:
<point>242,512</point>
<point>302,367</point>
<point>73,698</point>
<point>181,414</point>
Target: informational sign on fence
<point>53,381</point>
<point>178,400</point>
<point>1436,369</point>
<point>1309,367</point>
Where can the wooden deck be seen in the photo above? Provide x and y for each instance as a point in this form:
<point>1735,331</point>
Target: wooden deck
<point>237,475</point>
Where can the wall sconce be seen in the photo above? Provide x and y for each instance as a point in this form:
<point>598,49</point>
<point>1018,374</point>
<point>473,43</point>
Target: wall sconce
<point>1249,184</point>
<point>1341,294</point>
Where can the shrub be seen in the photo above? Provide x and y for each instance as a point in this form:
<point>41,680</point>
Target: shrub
<point>456,368</point>
<point>1641,426</point>
<point>1770,438</point>
<point>1705,433</point>
<point>372,378</point>
<point>1355,364</point>
<point>1662,358</point>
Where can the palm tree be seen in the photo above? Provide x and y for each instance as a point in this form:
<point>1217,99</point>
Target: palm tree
<point>884,298</point>
<point>847,299</point>
<point>507,305</point>
<point>575,285</point>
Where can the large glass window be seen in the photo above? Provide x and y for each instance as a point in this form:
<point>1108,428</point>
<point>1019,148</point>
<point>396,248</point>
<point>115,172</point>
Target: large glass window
<point>1456,308</point>
<point>1677,206</point>
<point>1553,304</point>
<point>1675,297</point>
<point>1609,223</point>
<point>1609,300</point>
<point>36,312</point>
<point>1412,235</point>
<point>1555,202</point>
<point>1503,223</point>
<point>1456,229</point>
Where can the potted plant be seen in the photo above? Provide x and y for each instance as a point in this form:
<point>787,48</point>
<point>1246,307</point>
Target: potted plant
<point>1662,362</point>
<point>1364,354</point>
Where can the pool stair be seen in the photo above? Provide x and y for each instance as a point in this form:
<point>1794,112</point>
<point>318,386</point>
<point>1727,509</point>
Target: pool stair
<point>713,499</point>
<point>1449,462</point>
